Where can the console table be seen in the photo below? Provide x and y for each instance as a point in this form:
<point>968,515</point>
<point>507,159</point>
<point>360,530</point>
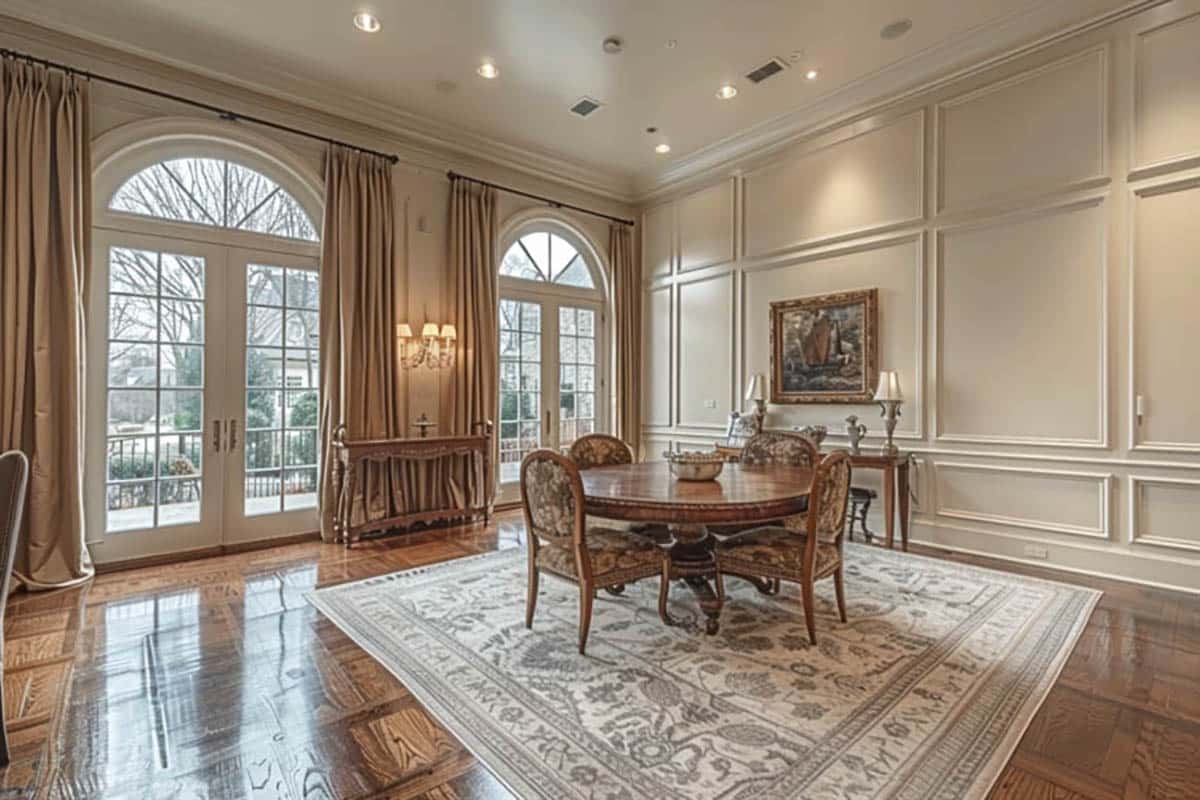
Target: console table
<point>351,456</point>
<point>895,487</point>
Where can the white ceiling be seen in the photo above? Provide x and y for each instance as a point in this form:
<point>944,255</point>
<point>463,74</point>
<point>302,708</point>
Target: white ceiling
<point>549,54</point>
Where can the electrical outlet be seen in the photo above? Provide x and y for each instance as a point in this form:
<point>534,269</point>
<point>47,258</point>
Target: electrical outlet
<point>1036,551</point>
<point>710,403</point>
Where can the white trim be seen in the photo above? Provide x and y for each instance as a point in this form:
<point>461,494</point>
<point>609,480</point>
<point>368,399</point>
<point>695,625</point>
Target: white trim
<point>1179,161</point>
<point>1134,483</point>
<point>1050,209</point>
<point>1102,479</point>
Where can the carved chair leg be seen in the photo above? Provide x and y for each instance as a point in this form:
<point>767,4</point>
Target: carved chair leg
<point>866,510</point>
<point>806,593</point>
<point>586,594</point>
<point>839,586</point>
<point>531,597</point>
<point>664,593</point>
<point>4,755</point>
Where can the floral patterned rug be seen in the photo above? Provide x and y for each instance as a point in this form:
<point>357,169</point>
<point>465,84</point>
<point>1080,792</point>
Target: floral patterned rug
<point>923,695</point>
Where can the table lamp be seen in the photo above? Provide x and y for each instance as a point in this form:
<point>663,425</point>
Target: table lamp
<point>755,391</point>
<point>889,397</point>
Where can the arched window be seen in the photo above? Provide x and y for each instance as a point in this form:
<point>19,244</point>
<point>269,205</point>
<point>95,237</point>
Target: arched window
<point>553,347</point>
<point>203,384</point>
<point>545,256</point>
<point>215,192</point>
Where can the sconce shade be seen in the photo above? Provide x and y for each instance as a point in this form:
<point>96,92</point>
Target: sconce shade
<point>449,332</point>
<point>430,330</point>
<point>754,389</point>
<point>403,330</point>
<point>889,387</point>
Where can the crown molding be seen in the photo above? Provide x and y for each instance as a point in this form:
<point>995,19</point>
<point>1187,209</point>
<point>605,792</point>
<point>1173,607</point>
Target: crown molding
<point>983,48</point>
<point>419,138</point>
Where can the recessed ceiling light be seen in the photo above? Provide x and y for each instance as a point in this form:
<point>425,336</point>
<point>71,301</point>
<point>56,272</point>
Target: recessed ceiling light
<point>488,70</point>
<point>894,30</point>
<point>671,44</point>
<point>727,91</point>
<point>662,149</point>
<point>367,22</point>
<point>612,45</point>
<point>811,75</point>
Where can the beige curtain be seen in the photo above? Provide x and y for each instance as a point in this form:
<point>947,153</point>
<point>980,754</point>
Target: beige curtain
<point>627,314</point>
<point>360,291</point>
<point>474,308</point>
<point>45,248</point>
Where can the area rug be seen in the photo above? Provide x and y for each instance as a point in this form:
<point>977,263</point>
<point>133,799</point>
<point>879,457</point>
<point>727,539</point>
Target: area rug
<point>922,695</point>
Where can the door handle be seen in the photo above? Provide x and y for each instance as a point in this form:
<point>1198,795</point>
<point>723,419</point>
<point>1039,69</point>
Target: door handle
<point>233,436</point>
<point>216,435</point>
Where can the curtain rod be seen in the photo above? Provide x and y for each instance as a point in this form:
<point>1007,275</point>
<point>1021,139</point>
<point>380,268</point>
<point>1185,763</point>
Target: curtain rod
<point>454,176</point>
<point>223,113</point>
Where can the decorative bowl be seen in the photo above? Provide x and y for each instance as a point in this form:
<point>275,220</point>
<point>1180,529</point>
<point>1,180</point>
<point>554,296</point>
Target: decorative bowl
<point>695,465</point>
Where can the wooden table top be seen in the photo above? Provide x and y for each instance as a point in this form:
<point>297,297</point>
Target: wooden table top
<point>648,492</point>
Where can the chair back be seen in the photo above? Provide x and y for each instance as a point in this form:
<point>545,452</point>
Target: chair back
<point>599,450</point>
<point>14,478</point>
<point>781,449</point>
<point>828,498</point>
<point>552,495</point>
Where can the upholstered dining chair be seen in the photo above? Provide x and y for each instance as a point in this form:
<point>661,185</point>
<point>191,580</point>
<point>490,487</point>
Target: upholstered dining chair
<point>779,553</point>
<point>599,450</point>
<point>14,476</point>
<point>561,543</point>
<point>779,448</point>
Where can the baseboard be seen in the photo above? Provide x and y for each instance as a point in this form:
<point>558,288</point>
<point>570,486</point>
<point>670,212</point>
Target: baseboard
<point>163,559</point>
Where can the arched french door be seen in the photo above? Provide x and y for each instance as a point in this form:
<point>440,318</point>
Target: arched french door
<point>203,375</point>
<point>553,347</point>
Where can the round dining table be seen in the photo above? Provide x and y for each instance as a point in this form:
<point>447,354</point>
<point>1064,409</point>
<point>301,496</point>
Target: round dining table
<point>677,514</point>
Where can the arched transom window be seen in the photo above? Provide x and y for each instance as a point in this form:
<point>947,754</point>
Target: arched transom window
<point>214,192</point>
<point>547,257</point>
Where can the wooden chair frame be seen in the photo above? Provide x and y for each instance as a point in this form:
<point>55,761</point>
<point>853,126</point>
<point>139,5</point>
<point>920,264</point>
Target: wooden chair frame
<point>586,580</point>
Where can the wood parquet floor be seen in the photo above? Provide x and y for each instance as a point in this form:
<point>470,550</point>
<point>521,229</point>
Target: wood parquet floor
<point>214,679</point>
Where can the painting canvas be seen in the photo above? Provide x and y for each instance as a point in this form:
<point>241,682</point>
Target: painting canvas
<point>824,348</point>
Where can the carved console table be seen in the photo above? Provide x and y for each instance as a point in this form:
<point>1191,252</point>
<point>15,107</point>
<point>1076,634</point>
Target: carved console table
<point>351,456</point>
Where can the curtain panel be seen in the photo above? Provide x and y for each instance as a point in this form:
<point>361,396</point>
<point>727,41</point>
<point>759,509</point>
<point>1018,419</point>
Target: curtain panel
<point>45,253</point>
<point>474,308</point>
<point>627,316</point>
<point>361,381</point>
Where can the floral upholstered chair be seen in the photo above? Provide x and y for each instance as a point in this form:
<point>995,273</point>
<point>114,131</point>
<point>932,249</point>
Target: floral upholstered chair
<point>774,447</point>
<point>562,544</point>
<point>780,554</point>
<point>599,450</point>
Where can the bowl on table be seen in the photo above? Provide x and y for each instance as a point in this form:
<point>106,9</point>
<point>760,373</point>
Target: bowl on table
<point>695,465</point>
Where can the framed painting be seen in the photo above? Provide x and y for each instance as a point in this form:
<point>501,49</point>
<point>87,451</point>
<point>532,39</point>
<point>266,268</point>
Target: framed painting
<point>825,348</point>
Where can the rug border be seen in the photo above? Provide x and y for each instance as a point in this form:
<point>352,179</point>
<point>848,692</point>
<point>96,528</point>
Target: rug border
<point>515,784</point>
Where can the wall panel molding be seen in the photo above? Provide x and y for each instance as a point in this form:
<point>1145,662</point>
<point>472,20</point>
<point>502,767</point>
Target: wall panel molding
<point>711,213</point>
<point>1137,484</point>
<point>1025,153</point>
<point>817,165</point>
<point>939,334</point>
<point>1137,197</point>
<point>1182,150</point>
<point>717,423</point>
<point>656,411</point>
<point>1102,481</point>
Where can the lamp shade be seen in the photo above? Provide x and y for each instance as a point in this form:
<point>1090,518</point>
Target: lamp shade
<point>754,389</point>
<point>889,387</point>
<point>449,332</point>
<point>403,330</point>
<point>430,330</point>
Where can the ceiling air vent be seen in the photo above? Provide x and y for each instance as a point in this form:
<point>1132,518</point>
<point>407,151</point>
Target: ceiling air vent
<point>585,106</point>
<point>772,67</point>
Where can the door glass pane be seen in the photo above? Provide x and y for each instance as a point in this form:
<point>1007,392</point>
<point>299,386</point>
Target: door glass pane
<point>576,374</point>
<point>155,378</point>
<point>520,385</point>
<point>281,381</point>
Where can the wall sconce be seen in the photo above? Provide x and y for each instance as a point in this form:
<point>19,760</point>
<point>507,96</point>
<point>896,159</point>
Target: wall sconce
<point>433,348</point>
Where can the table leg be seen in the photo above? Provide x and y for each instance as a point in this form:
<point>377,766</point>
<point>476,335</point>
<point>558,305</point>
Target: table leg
<point>902,489</point>
<point>694,560</point>
<point>889,504</point>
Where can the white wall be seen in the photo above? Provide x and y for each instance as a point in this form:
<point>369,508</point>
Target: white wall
<point>1033,233</point>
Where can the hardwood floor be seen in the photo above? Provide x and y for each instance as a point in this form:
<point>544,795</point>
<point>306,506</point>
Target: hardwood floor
<point>215,679</point>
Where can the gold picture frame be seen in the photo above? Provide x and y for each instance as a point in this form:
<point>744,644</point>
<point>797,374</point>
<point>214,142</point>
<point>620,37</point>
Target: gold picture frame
<point>825,348</point>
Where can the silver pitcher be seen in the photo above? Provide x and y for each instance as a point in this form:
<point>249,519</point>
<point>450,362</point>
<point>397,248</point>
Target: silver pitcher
<point>855,431</point>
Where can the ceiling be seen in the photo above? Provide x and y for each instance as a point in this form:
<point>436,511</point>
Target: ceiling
<point>549,55</point>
